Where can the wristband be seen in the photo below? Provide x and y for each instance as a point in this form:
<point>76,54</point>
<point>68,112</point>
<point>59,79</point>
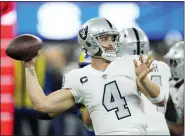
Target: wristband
<point>157,99</point>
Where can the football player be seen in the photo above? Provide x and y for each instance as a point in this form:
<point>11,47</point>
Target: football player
<point>135,42</point>
<point>108,87</point>
<point>175,59</point>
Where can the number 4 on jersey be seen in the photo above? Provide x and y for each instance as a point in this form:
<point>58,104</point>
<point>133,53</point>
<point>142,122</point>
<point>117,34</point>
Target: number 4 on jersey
<point>112,100</point>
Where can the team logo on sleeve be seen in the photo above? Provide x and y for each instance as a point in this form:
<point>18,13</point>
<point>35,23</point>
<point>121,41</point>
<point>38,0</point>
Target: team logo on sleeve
<point>104,76</point>
<point>84,80</point>
<point>83,33</point>
<point>155,69</point>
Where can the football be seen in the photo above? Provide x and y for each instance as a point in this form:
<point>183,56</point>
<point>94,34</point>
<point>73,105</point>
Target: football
<point>24,47</point>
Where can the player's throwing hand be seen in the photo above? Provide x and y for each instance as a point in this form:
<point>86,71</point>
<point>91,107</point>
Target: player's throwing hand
<point>33,60</point>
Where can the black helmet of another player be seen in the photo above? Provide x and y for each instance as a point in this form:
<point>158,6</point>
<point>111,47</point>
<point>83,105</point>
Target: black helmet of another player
<point>88,38</point>
<point>134,41</point>
<point>175,60</point>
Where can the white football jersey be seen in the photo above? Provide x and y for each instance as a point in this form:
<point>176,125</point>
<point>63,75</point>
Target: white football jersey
<point>156,115</point>
<point>111,97</point>
<point>177,95</point>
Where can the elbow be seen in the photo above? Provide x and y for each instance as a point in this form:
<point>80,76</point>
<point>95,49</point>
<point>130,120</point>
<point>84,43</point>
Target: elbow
<point>41,106</point>
<point>39,109</point>
<point>46,111</point>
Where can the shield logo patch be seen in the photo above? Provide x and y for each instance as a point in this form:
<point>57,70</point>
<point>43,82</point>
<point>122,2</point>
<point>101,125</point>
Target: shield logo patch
<point>83,33</point>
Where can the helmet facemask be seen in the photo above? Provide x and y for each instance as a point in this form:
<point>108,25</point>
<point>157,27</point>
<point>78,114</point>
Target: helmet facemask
<point>175,60</point>
<point>176,67</point>
<point>108,55</point>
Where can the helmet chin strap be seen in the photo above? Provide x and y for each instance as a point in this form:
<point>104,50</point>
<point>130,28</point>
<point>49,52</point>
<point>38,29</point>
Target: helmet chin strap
<point>110,56</point>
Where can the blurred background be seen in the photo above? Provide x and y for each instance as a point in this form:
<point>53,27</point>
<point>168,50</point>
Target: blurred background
<point>57,23</point>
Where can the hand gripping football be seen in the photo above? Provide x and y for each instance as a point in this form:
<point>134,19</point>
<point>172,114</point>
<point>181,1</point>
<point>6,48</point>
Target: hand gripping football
<point>24,47</point>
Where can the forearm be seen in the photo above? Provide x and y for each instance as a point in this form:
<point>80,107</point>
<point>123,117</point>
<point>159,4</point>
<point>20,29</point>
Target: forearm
<point>52,104</point>
<point>153,90</point>
<point>175,129</point>
<point>141,87</point>
<point>34,89</point>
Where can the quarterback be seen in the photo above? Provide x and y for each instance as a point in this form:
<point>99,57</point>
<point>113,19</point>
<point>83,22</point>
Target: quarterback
<point>108,87</point>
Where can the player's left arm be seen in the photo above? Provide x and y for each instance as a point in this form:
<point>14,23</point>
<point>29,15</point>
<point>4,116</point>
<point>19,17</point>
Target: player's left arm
<point>150,89</point>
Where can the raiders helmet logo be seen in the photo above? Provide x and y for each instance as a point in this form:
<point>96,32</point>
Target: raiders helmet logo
<point>83,33</point>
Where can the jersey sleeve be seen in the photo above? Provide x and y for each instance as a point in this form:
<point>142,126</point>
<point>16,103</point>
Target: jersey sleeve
<point>166,70</point>
<point>166,73</point>
<point>69,82</point>
<point>161,77</point>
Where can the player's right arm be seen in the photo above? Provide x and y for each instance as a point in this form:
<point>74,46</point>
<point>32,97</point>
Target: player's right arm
<point>56,102</point>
